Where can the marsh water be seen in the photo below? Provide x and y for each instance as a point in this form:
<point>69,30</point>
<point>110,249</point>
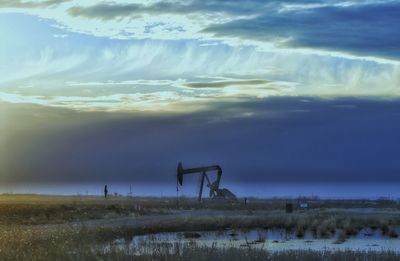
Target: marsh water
<point>271,240</point>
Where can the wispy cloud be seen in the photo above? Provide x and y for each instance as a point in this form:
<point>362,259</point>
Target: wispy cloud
<point>131,76</point>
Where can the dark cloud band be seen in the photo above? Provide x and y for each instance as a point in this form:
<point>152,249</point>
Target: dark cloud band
<point>367,30</point>
<point>221,84</point>
<point>277,139</point>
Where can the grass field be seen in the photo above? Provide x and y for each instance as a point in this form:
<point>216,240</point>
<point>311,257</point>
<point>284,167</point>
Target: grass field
<point>58,227</point>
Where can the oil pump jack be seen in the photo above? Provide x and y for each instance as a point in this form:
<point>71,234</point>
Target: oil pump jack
<point>215,191</point>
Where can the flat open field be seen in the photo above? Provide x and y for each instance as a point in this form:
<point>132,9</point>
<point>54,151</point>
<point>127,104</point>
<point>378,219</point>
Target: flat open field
<point>124,228</point>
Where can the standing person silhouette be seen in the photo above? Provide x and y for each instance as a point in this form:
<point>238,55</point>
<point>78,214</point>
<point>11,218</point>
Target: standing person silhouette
<point>105,191</point>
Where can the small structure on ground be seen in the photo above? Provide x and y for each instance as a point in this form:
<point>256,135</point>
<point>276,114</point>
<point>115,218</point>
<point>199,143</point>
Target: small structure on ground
<point>289,207</point>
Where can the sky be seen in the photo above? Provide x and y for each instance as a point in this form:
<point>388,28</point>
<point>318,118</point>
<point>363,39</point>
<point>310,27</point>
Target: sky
<point>270,90</point>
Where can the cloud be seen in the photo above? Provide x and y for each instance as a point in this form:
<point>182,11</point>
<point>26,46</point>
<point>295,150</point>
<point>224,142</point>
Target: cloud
<point>251,8</point>
<point>221,84</point>
<point>106,11</point>
<point>254,141</point>
<point>115,75</point>
<point>154,101</point>
<point>60,35</point>
<point>30,4</point>
<point>340,28</point>
<point>84,71</point>
<point>365,29</point>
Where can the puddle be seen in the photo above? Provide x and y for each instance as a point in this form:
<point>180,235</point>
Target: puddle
<point>271,240</point>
